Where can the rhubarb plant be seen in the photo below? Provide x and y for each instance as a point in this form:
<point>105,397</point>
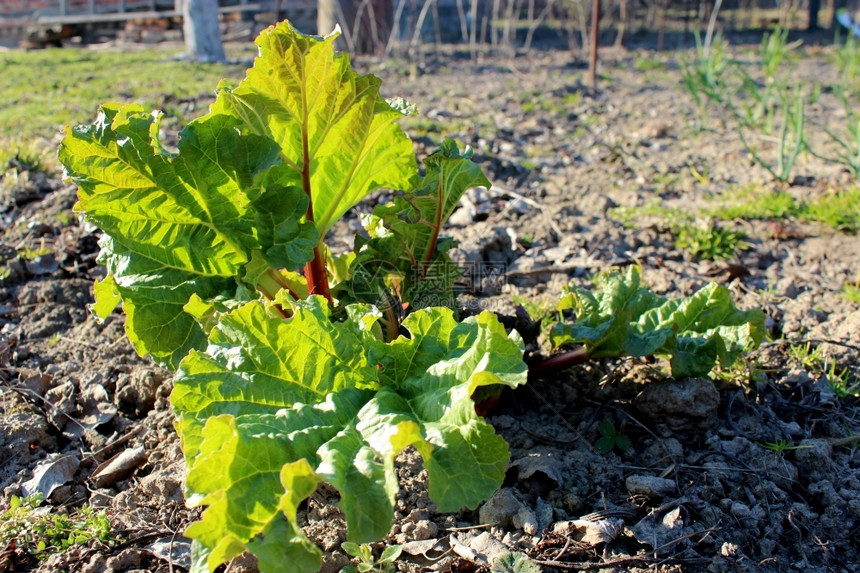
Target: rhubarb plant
<point>623,318</point>
<point>294,366</point>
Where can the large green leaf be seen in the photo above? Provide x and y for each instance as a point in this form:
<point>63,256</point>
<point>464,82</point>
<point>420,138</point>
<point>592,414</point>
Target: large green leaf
<point>338,137</point>
<point>180,223</point>
<point>259,434</point>
<point>625,319</point>
<point>154,299</point>
<point>256,364</point>
<point>252,471</point>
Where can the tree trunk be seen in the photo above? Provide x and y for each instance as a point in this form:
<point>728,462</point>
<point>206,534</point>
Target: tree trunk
<point>365,24</point>
<point>814,7</point>
<point>327,16</point>
<point>202,33</point>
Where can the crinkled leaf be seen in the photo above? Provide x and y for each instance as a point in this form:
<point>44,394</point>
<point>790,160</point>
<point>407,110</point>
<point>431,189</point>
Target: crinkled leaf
<point>415,218</point>
<point>154,297</point>
<point>256,364</point>
<point>297,549</point>
<point>695,332</point>
<point>107,297</point>
<point>405,260</point>
<point>271,436</point>
<point>179,223</point>
<point>329,122</point>
<point>279,213</point>
<point>51,474</point>
<point>428,381</point>
<point>252,471</point>
<point>367,490</point>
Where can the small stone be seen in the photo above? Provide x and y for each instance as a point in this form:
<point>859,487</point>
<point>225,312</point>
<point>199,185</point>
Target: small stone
<point>417,515</point>
<point>572,502</point>
<point>686,405</point>
<point>663,451</point>
<point>244,563</point>
<point>814,457</point>
<point>650,486</point>
<point>462,216</point>
<point>505,510</point>
<point>127,559</point>
<point>854,507</point>
<point>740,510</point>
<point>526,520</point>
<point>425,529</point>
<point>95,565</point>
<point>519,207</point>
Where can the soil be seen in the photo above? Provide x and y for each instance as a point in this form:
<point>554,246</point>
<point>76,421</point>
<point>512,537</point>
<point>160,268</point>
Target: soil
<point>699,489</point>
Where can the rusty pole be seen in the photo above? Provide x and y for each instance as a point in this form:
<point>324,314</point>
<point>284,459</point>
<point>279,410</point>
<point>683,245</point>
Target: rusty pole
<point>595,33</point>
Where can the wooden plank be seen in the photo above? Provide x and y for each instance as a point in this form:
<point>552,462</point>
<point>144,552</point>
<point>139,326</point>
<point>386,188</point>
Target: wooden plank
<point>241,8</point>
<point>85,18</point>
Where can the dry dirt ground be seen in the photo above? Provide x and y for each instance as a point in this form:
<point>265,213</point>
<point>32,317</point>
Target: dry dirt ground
<point>697,490</point>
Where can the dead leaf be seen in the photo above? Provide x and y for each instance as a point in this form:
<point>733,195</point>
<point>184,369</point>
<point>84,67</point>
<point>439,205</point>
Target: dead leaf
<point>543,462</point>
<point>94,409</point>
<point>590,532</point>
<point>465,551</point>
<point>97,408</point>
<point>43,265</point>
<point>660,526</point>
<point>118,467</point>
<point>488,546</point>
<point>50,475</point>
<point>431,549</point>
<point>176,551</point>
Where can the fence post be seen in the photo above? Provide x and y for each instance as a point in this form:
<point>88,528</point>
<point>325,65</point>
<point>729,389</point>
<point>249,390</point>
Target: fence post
<point>595,40</point>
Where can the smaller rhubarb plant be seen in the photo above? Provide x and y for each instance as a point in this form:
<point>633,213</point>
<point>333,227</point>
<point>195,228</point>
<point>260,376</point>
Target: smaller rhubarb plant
<point>296,366</point>
<point>623,318</point>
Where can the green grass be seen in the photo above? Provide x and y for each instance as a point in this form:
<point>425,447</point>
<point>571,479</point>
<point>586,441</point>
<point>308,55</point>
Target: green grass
<point>43,91</point>
<point>838,209</point>
<point>806,356</point>
<point>422,126</point>
<point>844,385</point>
<point>32,530</point>
<point>653,210</point>
<point>29,155</point>
<point>851,293</point>
<point>648,64</point>
<point>539,101</point>
<point>703,239</point>
<point>756,203</point>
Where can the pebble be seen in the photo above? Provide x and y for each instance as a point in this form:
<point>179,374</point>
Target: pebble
<point>425,529</point>
<point>651,486</point>
<point>740,510</point>
<point>686,405</point>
